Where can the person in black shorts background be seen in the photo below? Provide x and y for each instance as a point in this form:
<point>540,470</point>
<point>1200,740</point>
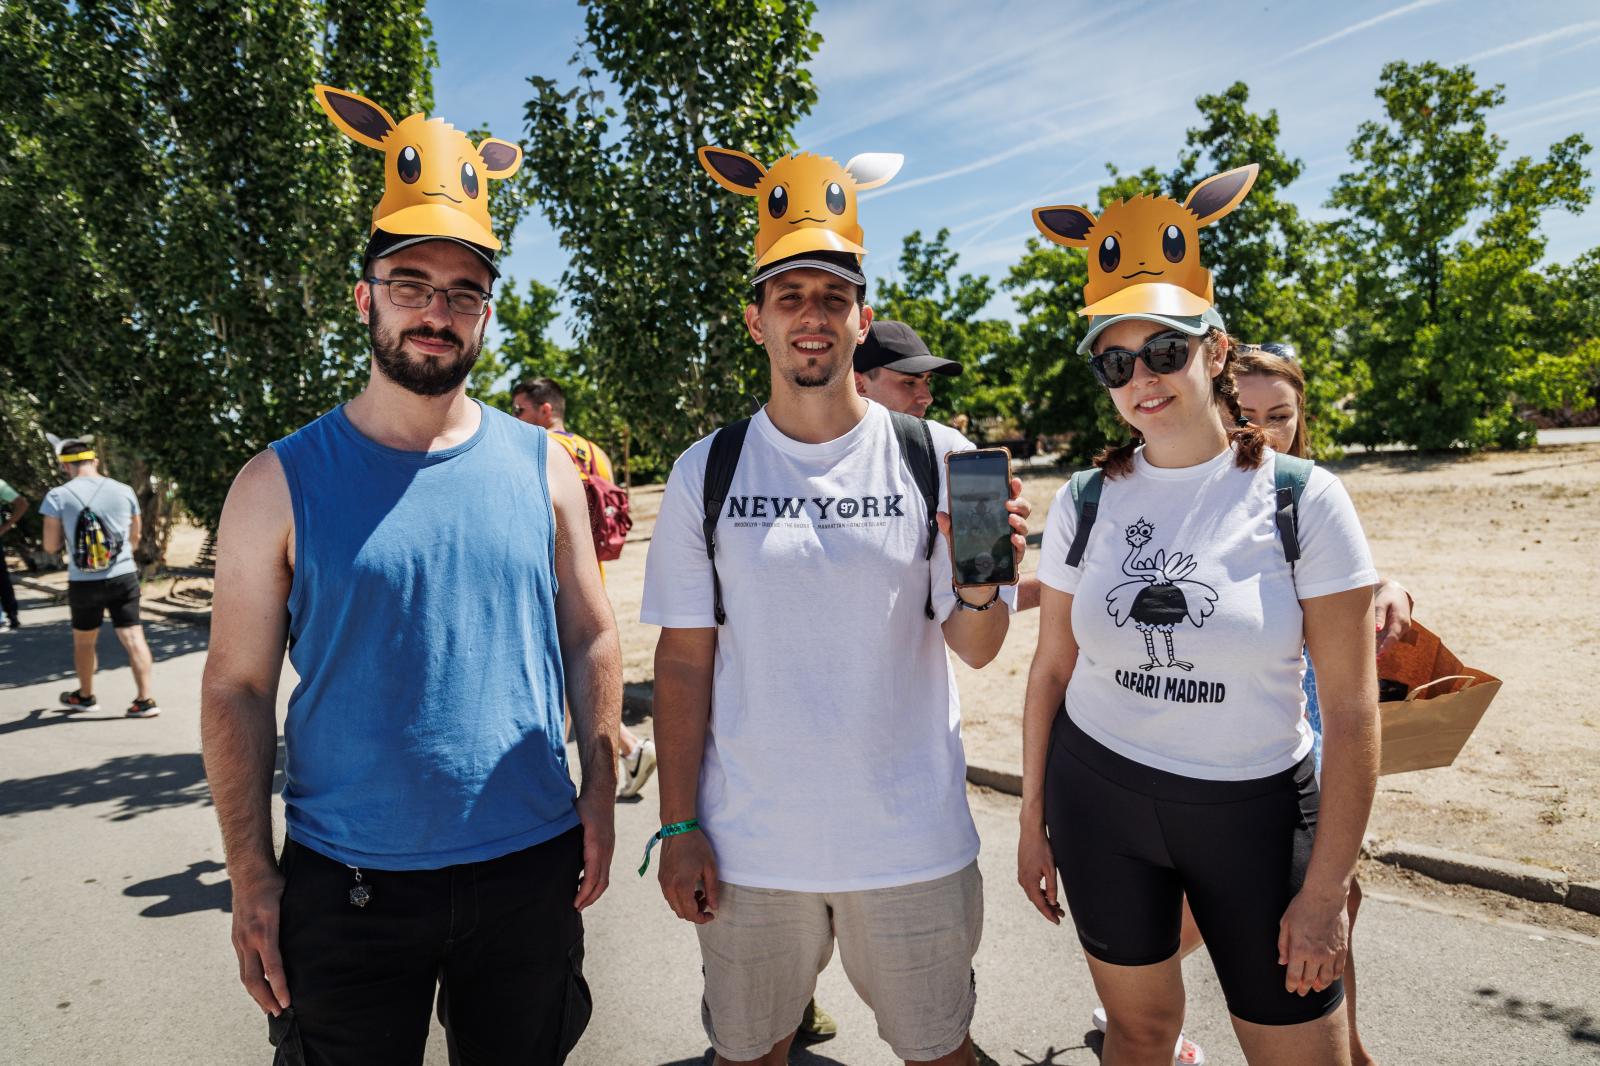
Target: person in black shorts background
<point>13,505</point>
<point>94,593</point>
<point>1165,749</point>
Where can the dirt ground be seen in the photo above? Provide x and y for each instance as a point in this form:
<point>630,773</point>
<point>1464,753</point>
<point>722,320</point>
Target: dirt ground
<point>1499,551</point>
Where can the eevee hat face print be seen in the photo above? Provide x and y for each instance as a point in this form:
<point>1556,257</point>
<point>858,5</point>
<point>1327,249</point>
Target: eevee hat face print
<point>435,179</point>
<point>1144,253</point>
<point>807,204</point>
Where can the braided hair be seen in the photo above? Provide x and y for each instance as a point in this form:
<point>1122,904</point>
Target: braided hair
<point>1249,441</point>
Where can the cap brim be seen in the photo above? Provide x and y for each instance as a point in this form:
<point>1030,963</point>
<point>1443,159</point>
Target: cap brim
<point>922,364</point>
<point>437,220</point>
<point>855,277</point>
<point>384,244</point>
<point>807,239</point>
<point>1192,325</point>
<point>1151,297</point>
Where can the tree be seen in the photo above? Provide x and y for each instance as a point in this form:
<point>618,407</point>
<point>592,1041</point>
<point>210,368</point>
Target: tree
<point>944,311</point>
<point>1063,397</point>
<point>180,224</point>
<point>1444,323</point>
<point>659,257</point>
<point>1277,275</point>
<point>1561,375</point>
<point>527,352</point>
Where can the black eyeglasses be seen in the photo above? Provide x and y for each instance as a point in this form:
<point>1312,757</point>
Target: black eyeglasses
<point>404,293</point>
<point>1165,353</point>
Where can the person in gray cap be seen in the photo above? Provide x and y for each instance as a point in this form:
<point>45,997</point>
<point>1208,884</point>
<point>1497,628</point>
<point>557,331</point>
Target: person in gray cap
<point>894,368</point>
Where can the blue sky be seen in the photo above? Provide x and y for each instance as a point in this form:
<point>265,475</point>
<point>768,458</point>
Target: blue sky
<point>1002,107</point>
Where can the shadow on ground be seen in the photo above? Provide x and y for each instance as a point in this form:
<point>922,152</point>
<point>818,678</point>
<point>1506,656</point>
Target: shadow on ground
<point>185,893</point>
<point>42,652</point>
<point>133,784</point>
<point>1580,1024</point>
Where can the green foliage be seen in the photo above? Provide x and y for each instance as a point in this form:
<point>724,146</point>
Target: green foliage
<point>1062,396</point>
<point>1276,274</point>
<point>1445,324</point>
<point>180,223</point>
<point>659,256</point>
<point>526,353</point>
<point>944,310</point>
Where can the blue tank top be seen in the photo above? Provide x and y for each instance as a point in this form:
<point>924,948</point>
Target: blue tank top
<point>427,727</point>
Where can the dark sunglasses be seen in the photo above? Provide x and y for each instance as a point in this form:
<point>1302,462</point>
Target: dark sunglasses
<point>1281,349</point>
<point>1165,353</point>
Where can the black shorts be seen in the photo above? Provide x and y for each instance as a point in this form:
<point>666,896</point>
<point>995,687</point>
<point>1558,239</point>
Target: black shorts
<point>91,600</point>
<point>1131,841</point>
<point>494,946</point>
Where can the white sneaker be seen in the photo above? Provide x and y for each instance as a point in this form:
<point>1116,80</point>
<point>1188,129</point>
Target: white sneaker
<point>1185,1053</point>
<point>637,768</point>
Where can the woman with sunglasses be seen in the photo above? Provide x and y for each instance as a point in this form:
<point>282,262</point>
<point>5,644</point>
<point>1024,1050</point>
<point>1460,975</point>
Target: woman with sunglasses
<point>1165,749</point>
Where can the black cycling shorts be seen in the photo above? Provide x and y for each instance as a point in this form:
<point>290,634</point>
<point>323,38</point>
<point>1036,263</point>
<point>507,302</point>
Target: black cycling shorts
<point>90,601</point>
<point>1131,841</point>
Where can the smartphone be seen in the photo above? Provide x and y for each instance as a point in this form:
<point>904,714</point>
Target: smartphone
<point>980,526</point>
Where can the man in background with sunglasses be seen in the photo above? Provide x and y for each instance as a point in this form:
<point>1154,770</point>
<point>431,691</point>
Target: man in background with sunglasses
<point>435,844</point>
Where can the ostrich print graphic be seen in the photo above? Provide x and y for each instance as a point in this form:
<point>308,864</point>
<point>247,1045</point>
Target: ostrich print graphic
<point>1160,596</point>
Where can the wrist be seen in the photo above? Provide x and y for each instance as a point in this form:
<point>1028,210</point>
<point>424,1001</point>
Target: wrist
<point>982,597</point>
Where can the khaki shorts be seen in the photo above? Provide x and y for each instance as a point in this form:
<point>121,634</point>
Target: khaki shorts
<point>907,950</point>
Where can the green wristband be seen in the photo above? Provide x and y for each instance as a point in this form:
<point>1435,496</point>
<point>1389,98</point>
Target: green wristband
<point>675,829</point>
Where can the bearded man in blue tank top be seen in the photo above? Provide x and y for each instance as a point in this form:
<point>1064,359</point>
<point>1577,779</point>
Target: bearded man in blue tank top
<point>434,843</point>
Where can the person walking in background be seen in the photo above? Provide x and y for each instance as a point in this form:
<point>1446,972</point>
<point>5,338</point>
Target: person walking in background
<point>97,520</point>
<point>542,402</point>
<point>14,505</point>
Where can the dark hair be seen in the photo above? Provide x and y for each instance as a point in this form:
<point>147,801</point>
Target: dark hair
<point>542,391</point>
<point>1259,360</point>
<point>1117,460</point>
<point>842,258</point>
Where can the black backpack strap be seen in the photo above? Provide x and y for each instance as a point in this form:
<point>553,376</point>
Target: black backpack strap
<point>1086,503</point>
<point>916,444</point>
<point>1289,477</point>
<point>720,465</point>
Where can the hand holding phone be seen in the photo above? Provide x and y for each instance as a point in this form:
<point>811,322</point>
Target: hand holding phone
<point>978,489</point>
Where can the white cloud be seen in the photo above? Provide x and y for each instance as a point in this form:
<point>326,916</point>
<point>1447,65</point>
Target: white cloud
<point>1534,41</point>
<point>1365,24</point>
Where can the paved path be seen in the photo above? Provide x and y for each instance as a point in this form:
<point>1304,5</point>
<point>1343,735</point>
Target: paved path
<point>113,909</point>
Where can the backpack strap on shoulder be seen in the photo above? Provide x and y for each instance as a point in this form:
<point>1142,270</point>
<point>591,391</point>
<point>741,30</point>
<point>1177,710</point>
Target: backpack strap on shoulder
<point>916,444</point>
<point>1289,477</point>
<point>1086,486</point>
<point>720,465</point>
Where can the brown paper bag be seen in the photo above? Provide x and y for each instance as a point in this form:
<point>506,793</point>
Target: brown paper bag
<point>1444,702</point>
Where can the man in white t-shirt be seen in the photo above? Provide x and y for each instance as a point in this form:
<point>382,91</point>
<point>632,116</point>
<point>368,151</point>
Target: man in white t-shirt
<point>811,771</point>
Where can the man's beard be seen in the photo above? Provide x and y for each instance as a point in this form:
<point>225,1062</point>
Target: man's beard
<point>423,375</point>
<point>821,375</point>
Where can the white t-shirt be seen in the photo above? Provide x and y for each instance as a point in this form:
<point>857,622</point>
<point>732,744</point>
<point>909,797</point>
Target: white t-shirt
<point>833,758</point>
<point>1188,619</point>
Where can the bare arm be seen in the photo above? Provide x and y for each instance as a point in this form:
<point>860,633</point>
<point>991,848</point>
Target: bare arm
<point>591,658</point>
<point>52,534</point>
<point>1314,932</point>
<point>19,507</point>
<point>1053,662</point>
<point>1028,594</point>
<point>238,698</point>
<point>135,528</point>
<point>684,661</point>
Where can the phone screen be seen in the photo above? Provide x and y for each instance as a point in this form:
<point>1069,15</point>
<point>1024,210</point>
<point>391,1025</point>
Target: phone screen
<point>980,526</point>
